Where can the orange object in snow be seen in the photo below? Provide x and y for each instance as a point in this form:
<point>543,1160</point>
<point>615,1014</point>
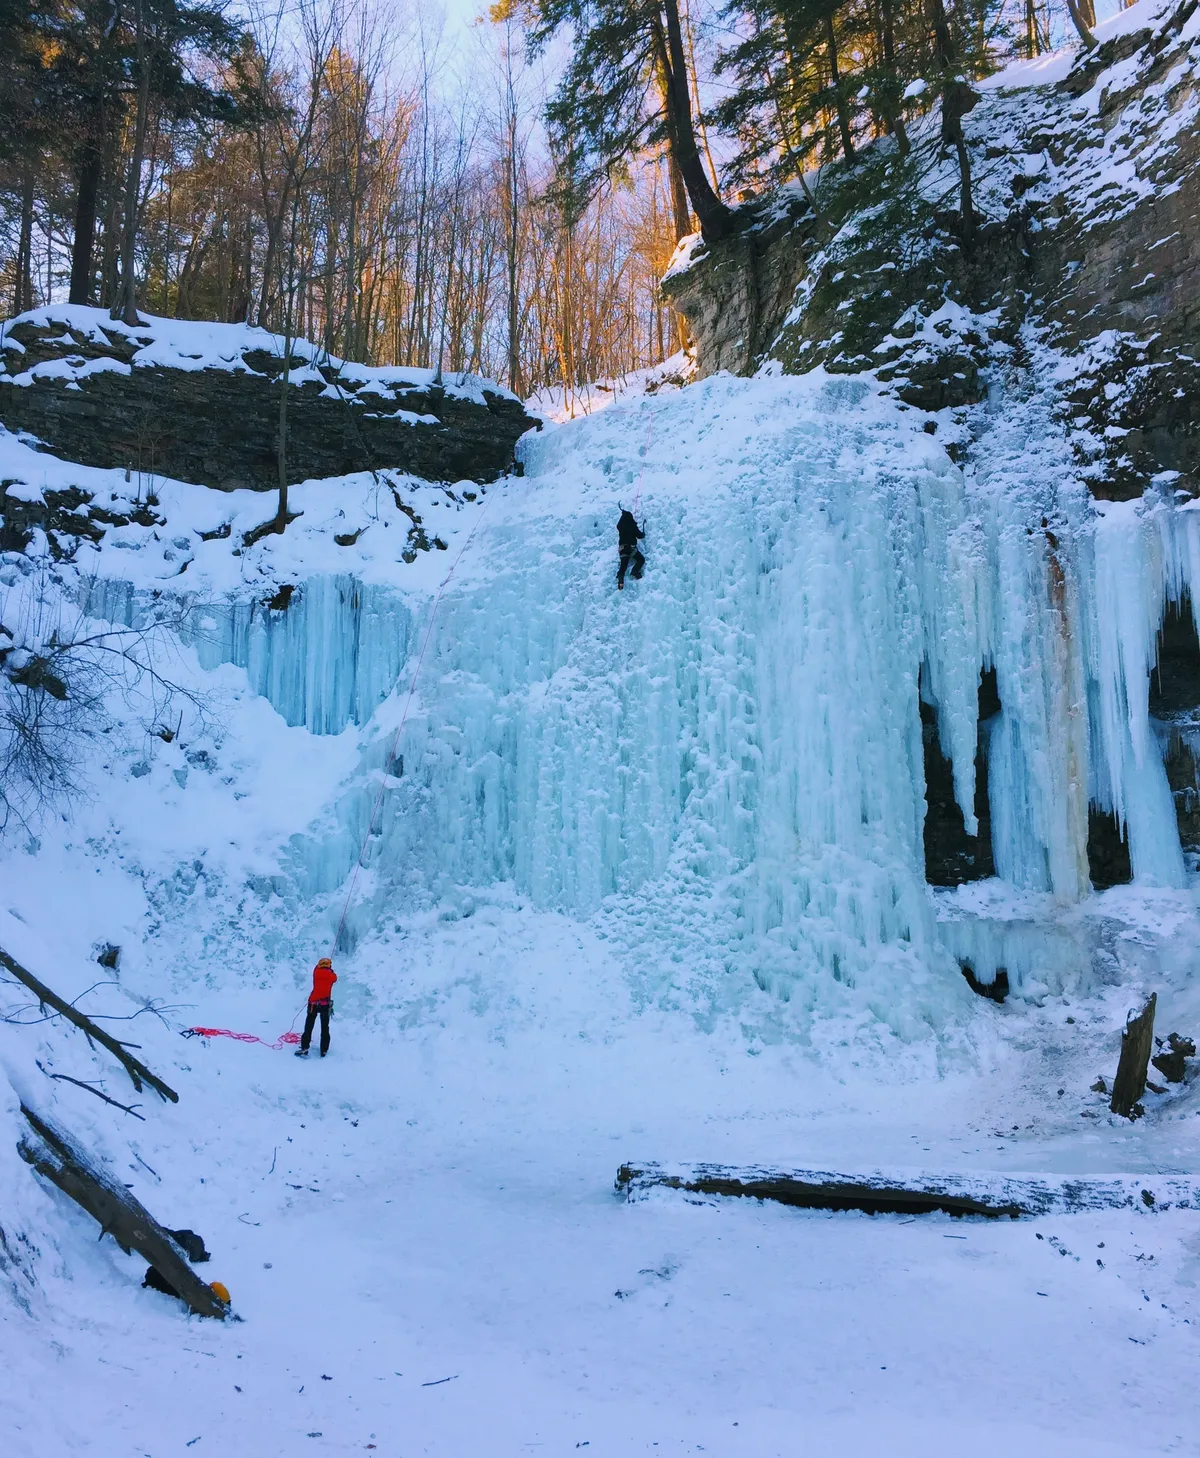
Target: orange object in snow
<point>323,979</point>
<point>220,1291</point>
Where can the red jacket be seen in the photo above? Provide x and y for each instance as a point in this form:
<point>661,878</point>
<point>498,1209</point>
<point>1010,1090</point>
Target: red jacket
<point>323,980</point>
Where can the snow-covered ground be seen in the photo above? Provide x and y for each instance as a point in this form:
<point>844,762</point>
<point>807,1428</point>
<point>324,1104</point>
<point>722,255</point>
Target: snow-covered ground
<point>643,881</point>
<point>434,1202</point>
<point>558,403</point>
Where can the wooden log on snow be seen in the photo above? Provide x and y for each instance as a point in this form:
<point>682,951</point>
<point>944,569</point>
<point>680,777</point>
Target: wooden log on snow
<point>1137,1043</point>
<point>134,1067</point>
<point>991,1196</point>
<point>118,1213</point>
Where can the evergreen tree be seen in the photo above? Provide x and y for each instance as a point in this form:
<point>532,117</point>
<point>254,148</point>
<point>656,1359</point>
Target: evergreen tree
<point>814,79</point>
<point>626,88</point>
<point>75,73</point>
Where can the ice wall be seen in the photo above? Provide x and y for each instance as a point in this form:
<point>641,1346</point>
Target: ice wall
<point>327,659</point>
<point>728,753</point>
<point>740,730</point>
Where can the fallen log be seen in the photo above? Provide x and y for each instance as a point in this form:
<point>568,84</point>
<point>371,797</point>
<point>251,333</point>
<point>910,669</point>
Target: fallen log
<point>52,1154</point>
<point>134,1067</point>
<point>1137,1043</point>
<point>990,1196</point>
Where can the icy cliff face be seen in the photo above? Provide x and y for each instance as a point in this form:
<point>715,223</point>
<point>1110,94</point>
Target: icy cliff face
<point>728,753</point>
<point>722,765</point>
<point>326,656</point>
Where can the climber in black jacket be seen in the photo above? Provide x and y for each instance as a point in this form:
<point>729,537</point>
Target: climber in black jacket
<point>629,534</point>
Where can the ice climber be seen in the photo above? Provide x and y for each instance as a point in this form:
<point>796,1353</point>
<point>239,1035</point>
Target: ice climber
<point>629,534</point>
<point>320,1000</point>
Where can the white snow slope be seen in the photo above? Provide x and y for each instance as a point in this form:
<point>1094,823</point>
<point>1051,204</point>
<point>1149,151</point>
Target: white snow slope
<point>645,882</point>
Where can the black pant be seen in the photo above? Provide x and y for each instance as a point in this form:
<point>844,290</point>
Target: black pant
<point>324,1008</point>
<point>629,553</point>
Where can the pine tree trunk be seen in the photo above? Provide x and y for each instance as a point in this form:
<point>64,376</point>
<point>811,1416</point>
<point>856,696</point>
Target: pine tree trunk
<point>281,511</point>
<point>84,242</point>
<point>957,100</point>
<point>892,113</point>
<point>23,285</point>
<point>513,261</point>
<point>1080,10</point>
<point>110,251</point>
<point>835,80</point>
<point>681,213</point>
<point>1032,36</point>
<point>715,219</point>
<point>125,304</point>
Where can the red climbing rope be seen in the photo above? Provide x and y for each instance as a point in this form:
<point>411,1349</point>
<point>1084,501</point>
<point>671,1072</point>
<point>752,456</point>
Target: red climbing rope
<point>412,688</point>
<point>284,1041</point>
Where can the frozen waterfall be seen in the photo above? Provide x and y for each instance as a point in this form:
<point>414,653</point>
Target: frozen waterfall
<point>735,742</point>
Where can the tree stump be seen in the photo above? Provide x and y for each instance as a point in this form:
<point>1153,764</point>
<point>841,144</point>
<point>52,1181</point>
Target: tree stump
<point>1172,1062</point>
<point>1137,1043</point>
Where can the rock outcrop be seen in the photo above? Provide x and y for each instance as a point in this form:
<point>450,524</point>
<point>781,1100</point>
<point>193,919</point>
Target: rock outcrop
<point>102,395</point>
<point>1088,190</point>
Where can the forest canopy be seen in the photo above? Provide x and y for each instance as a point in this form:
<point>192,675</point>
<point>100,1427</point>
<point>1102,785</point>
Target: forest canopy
<point>502,202</point>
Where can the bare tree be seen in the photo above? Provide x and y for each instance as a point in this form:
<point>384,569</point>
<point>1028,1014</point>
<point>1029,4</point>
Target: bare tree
<point>56,676</point>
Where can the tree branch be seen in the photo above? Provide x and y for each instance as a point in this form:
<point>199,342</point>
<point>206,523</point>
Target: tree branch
<point>137,1071</point>
<point>79,1083</point>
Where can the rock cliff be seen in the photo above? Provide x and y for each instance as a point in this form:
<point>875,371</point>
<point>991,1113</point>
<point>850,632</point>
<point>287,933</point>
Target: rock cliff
<point>200,403</point>
<point>1084,273</point>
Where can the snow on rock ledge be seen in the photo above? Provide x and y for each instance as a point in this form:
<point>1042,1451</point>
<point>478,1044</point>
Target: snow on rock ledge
<point>200,402</point>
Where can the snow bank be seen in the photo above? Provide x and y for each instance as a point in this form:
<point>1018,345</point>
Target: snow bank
<point>1054,66</point>
<point>556,404</point>
<point>187,344</point>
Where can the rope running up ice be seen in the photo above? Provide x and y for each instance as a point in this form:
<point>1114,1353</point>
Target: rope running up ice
<point>412,688</point>
<point>645,454</point>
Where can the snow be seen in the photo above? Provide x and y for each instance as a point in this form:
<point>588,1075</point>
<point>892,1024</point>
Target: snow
<point>1055,66</point>
<point>645,880</point>
<point>556,404</point>
<point>434,1202</point>
<point>184,344</point>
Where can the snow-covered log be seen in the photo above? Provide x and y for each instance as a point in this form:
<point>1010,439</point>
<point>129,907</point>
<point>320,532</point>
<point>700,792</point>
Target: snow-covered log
<point>118,1213</point>
<point>878,1193</point>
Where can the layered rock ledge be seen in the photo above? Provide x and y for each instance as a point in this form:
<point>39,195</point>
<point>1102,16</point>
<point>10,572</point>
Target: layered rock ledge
<point>201,403</point>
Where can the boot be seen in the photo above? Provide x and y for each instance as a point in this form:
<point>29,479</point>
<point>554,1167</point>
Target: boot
<point>301,1052</point>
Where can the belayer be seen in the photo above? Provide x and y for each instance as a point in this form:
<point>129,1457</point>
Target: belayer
<point>320,1001</point>
<point>629,534</point>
